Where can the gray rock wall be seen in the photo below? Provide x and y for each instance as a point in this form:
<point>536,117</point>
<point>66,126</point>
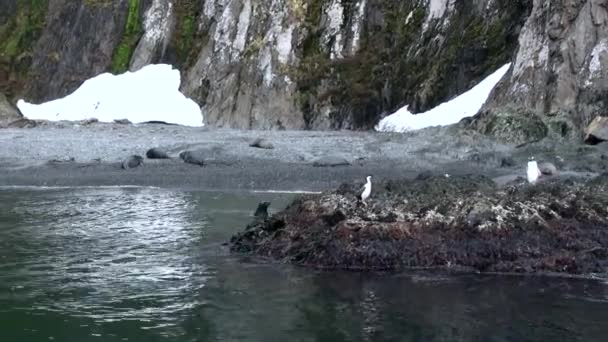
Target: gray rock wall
<point>559,78</point>
<point>323,64</point>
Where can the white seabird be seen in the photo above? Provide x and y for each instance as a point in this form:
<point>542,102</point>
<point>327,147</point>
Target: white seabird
<point>533,171</point>
<point>367,190</point>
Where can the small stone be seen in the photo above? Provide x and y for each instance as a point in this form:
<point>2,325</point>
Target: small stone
<point>156,153</point>
<point>331,161</point>
<point>193,157</point>
<point>132,162</point>
<point>262,143</point>
<point>597,131</point>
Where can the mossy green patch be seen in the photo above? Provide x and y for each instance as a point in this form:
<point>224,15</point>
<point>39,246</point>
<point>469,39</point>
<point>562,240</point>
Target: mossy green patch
<point>131,35</point>
<point>398,63</point>
<point>18,37</point>
<point>186,37</point>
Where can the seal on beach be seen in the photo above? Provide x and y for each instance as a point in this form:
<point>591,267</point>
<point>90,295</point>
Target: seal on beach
<point>367,190</point>
<point>156,153</point>
<point>192,157</point>
<point>132,162</point>
<point>533,172</point>
<point>262,210</point>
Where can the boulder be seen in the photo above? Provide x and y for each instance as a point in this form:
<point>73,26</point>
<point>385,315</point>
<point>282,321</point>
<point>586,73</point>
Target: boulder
<point>156,153</point>
<point>132,162</point>
<point>262,143</point>
<point>8,112</point>
<point>330,161</point>
<point>597,131</point>
<point>193,157</point>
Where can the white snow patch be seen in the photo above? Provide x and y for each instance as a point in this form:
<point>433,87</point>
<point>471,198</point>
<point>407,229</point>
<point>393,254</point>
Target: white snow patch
<point>467,104</point>
<point>150,94</point>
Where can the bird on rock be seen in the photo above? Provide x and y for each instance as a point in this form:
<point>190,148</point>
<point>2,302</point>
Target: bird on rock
<point>533,170</point>
<point>367,190</point>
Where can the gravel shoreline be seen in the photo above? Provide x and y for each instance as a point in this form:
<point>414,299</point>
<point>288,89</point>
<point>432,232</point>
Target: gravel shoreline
<point>71,154</point>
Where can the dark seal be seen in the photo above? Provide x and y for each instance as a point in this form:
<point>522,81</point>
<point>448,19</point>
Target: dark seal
<point>262,210</point>
<point>192,157</point>
<point>132,162</point>
<point>156,153</point>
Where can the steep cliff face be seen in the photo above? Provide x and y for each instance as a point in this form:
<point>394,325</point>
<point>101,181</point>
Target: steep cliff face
<point>559,80</point>
<point>267,64</point>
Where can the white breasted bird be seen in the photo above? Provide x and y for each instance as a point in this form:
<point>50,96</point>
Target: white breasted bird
<point>533,171</point>
<point>367,190</point>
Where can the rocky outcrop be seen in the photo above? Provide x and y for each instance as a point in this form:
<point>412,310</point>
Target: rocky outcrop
<point>597,131</point>
<point>457,223</point>
<point>8,112</point>
<point>559,79</point>
<point>266,64</point>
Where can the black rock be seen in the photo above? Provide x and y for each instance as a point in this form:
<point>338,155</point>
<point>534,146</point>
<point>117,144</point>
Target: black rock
<point>156,153</point>
<point>132,162</point>
<point>193,157</point>
<point>507,162</point>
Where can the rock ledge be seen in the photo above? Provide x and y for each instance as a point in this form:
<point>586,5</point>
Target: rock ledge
<point>460,223</point>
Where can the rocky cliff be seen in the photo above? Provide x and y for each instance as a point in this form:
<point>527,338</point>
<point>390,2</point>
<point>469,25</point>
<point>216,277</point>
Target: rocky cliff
<point>559,81</point>
<point>267,64</point>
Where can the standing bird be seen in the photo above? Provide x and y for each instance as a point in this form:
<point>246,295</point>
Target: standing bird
<point>367,190</point>
<point>533,170</point>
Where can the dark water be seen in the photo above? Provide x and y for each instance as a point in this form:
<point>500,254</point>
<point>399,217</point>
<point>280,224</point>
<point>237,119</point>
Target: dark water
<point>149,265</point>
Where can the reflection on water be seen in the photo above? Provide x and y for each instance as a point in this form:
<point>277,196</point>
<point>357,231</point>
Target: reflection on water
<point>138,264</point>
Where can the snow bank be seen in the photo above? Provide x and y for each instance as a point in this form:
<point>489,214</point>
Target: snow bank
<point>451,112</point>
<point>149,94</point>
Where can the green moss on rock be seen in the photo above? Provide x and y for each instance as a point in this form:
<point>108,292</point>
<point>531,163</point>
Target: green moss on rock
<point>516,128</point>
<point>18,37</point>
<point>132,32</point>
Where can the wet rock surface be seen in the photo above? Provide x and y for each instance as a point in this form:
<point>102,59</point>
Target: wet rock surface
<point>459,223</point>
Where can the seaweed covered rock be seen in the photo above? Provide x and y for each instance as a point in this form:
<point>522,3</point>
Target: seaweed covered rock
<point>463,223</point>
